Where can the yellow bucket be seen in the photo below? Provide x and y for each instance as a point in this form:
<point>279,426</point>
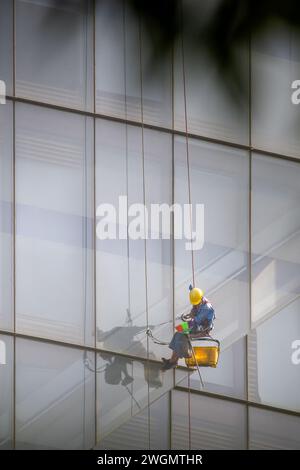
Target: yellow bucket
<point>204,356</point>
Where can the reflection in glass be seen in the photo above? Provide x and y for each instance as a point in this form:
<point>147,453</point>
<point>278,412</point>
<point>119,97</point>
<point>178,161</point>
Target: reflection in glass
<point>54,194</point>
<point>55,397</point>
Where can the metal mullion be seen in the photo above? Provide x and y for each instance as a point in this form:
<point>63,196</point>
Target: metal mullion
<point>96,391</point>
<point>249,234</point>
<point>77,346</point>
<point>153,361</point>
<point>240,401</point>
<point>198,137</point>
<point>14,221</point>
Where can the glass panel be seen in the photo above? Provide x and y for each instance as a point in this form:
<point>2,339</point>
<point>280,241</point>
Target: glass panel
<point>228,378</point>
<point>215,424</point>
<point>158,187</point>
<point>215,105</point>
<point>275,235</point>
<point>55,397</point>
<point>117,37</point>
<point>270,430</point>
<point>275,353</point>
<point>54,194</point>
<point>180,420</point>
<point>54,52</point>
<point>275,66</point>
<point>122,318</point>
<point>118,68</point>
<point>122,391</point>
<point>6,392</point>
<point>138,431</point>
<point>6,44</point>
<point>125,388</point>
<point>6,218</point>
<point>132,435</point>
<point>160,420</point>
<point>120,276</point>
<point>157,84</point>
<point>219,181</point>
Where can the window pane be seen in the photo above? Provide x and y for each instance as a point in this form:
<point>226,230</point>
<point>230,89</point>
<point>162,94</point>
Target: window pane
<point>122,392</point>
<point>228,378</point>
<point>219,181</point>
<point>138,432</point>
<point>121,285</point>
<point>55,397</point>
<point>117,37</point>
<point>270,430</point>
<point>158,187</point>
<point>118,68</point>
<point>160,423</point>
<point>6,43</point>
<point>54,52</point>
<point>6,218</point>
<point>6,392</point>
<point>211,109</point>
<point>125,389</point>
<point>275,65</point>
<point>132,435</point>
<point>180,420</point>
<point>120,276</point>
<point>275,235</point>
<point>54,257</point>
<point>274,345</point>
<point>215,424</point>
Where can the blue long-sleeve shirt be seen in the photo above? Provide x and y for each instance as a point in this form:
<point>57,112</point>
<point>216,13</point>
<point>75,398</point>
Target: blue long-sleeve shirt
<point>202,312</point>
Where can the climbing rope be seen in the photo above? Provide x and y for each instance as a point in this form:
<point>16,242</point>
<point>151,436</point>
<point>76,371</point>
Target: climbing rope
<point>154,339</point>
<point>187,143</point>
<point>126,154</point>
<point>190,198</point>
<point>129,320</point>
<point>145,210</point>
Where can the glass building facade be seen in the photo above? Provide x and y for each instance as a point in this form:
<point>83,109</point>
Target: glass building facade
<point>87,119</point>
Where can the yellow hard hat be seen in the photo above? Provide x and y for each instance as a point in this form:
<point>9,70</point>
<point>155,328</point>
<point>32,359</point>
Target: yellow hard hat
<point>196,296</point>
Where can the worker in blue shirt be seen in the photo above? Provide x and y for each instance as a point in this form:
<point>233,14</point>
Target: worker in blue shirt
<point>199,325</point>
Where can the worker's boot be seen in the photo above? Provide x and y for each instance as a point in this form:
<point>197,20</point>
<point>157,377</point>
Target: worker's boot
<point>168,364</point>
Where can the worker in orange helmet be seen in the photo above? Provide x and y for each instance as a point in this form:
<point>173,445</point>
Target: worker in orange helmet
<point>200,324</point>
